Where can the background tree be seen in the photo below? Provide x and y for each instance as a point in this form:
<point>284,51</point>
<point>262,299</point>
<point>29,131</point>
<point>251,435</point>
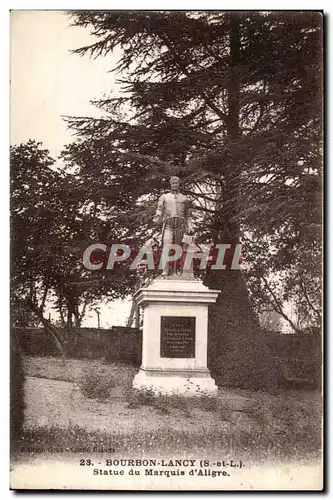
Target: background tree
<point>270,321</point>
<point>33,207</point>
<point>50,229</point>
<point>231,102</point>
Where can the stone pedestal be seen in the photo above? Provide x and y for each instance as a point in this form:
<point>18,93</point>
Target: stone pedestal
<point>174,344</point>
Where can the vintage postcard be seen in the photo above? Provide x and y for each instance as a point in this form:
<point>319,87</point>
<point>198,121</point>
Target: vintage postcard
<point>166,250</point>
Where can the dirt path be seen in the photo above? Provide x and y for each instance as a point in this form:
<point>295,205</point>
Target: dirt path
<point>54,402</point>
<point>58,403</point>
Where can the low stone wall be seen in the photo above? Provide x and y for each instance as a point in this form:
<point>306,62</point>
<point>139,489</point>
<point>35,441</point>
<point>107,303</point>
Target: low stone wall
<point>299,356</point>
<point>120,344</point>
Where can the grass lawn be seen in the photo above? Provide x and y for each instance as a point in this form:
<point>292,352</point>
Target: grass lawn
<point>259,425</point>
<point>72,370</point>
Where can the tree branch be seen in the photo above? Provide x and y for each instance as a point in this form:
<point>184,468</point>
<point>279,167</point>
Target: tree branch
<point>277,306</point>
<point>317,313</point>
<point>42,305</point>
<point>207,100</point>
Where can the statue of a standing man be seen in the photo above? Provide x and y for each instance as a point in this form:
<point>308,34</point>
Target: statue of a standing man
<point>173,210</point>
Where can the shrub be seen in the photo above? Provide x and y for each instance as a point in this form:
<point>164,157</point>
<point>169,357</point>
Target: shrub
<point>161,404</point>
<point>178,402</point>
<point>208,403</point>
<point>95,386</point>
<point>142,397</point>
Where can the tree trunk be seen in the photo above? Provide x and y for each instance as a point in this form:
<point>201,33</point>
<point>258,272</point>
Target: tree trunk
<point>77,317</point>
<point>50,329</point>
<point>70,314</point>
<point>237,352</point>
<point>72,319</point>
<point>16,389</point>
<point>134,316</point>
<point>137,317</point>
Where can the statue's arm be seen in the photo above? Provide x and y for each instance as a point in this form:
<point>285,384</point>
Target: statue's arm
<point>159,210</point>
<point>189,225</point>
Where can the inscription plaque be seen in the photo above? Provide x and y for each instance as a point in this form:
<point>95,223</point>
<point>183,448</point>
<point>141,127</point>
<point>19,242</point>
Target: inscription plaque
<point>177,337</point>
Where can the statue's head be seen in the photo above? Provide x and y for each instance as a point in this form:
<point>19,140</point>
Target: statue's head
<point>174,183</point>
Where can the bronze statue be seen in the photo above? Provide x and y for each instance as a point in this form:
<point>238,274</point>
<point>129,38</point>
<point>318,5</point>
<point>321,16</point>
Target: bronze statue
<point>173,210</point>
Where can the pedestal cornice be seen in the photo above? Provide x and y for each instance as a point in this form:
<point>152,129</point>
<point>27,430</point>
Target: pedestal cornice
<point>176,291</point>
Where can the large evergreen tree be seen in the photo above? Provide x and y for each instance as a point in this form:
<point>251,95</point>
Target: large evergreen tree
<point>229,101</point>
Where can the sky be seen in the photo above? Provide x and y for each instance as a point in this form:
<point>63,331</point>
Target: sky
<point>46,82</point>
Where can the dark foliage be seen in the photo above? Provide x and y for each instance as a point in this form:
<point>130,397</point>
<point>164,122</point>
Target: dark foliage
<point>16,389</point>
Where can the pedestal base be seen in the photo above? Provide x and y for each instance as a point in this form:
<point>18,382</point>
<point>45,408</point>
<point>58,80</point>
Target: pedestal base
<point>168,382</point>
<point>174,343</point>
